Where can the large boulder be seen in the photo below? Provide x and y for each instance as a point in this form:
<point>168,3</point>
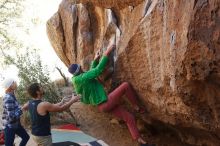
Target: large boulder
<point>169,50</point>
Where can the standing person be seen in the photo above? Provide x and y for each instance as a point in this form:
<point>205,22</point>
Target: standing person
<point>40,114</point>
<point>11,115</point>
<point>86,84</point>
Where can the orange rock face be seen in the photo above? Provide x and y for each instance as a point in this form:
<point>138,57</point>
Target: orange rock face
<point>169,50</point>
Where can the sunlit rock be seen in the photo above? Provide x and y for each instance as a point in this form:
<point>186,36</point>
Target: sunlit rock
<point>169,50</point>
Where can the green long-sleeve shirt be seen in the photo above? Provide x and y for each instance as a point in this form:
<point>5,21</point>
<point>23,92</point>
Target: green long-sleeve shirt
<point>91,90</point>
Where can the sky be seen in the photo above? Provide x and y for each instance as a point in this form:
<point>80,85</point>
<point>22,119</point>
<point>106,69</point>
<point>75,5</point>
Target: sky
<point>38,11</point>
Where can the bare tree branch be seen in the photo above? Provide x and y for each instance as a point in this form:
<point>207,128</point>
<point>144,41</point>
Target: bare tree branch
<point>63,75</point>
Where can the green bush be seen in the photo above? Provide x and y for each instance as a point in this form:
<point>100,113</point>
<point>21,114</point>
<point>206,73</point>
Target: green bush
<point>31,70</point>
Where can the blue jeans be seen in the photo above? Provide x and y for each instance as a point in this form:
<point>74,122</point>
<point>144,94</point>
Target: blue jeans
<point>10,135</point>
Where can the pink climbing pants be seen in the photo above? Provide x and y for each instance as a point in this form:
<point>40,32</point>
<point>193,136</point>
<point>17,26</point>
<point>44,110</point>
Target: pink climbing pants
<point>112,105</point>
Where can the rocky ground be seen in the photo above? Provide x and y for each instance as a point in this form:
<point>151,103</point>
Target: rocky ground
<point>104,126</point>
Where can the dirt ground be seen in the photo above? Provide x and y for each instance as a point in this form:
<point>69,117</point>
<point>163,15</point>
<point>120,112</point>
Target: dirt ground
<point>101,126</point>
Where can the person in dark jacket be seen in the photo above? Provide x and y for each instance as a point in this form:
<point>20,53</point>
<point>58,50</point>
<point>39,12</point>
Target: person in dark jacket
<point>40,114</point>
<point>11,115</point>
<point>92,92</point>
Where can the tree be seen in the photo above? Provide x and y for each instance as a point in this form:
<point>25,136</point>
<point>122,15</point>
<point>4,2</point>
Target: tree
<point>31,70</point>
<point>10,11</point>
<point>63,76</point>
